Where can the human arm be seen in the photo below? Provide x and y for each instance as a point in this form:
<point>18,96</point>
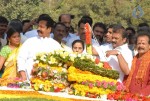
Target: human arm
<point>5,51</point>
<point>23,75</point>
<point>29,25</point>
<point>122,62</point>
<point>21,60</point>
<point>2,61</point>
<point>94,51</point>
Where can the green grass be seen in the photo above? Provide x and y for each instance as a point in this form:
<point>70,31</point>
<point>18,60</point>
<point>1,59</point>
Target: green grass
<point>25,99</point>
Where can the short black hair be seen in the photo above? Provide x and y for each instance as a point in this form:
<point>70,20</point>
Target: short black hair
<point>100,24</point>
<point>11,30</point>
<point>46,17</point>
<point>143,24</point>
<point>120,29</point>
<point>59,23</point>
<point>88,18</point>
<point>16,24</point>
<point>25,21</point>
<point>84,21</point>
<point>132,29</point>
<point>3,20</point>
<point>143,33</point>
<point>78,41</point>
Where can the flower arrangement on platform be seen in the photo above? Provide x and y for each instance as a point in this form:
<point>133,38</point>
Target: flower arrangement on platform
<point>56,70</point>
<point>91,85</point>
<point>56,58</point>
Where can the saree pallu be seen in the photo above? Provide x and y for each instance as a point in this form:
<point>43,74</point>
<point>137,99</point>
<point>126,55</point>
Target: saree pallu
<point>10,71</point>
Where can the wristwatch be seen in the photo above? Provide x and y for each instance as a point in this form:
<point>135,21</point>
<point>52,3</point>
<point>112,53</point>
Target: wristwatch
<point>118,53</point>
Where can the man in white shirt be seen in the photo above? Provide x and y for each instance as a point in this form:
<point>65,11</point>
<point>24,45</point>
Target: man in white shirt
<point>3,28</point>
<point>117,54</point>
<point>66,19</point>
<point>35,45</point>
<point>81,34</point>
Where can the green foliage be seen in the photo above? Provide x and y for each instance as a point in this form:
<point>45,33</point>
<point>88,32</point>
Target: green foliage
<point>107,11</point>
<point>86,65</point>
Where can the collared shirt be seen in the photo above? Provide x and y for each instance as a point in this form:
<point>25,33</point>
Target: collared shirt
<point>70,41</point>
<point>70,35</point>
<point>31,33</point>
<point>112,59</point>
<point>30,48</point>
<point>3,42</point>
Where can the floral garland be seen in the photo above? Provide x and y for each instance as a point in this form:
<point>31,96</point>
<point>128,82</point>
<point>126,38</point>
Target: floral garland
<point>88,38</point>
<point>88,83</point>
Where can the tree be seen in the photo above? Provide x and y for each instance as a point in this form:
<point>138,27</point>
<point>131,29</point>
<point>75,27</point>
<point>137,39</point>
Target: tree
<point>106,11</point>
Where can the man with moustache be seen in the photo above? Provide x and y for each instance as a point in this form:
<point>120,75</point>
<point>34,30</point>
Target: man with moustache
<point>35,45</point>
<point>66,20</point>
<point>59,32</point>
<point>3,27</point>
<point>138,80</point>
<point>118,55</point>
<point>107,45</point>
<point>81,34</point>
<point>99,30</point>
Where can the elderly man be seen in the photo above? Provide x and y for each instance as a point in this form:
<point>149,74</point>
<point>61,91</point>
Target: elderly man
<point>138,80</point>
<point>41,43</point>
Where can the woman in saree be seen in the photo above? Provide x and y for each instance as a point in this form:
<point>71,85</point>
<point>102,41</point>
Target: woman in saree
<point>8,54</point>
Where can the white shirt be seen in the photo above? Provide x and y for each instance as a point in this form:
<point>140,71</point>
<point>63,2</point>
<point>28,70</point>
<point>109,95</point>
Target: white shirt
<point>29,50</point>
<point>3,42</point>
<point>23,38</point>
<point>31,33</point>
<point>70,35</point>
<point>112,59</point>
<point>70,41</point>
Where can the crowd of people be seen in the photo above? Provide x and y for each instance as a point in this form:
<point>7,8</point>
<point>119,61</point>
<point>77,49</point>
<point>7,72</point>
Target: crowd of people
<point>125,49</point>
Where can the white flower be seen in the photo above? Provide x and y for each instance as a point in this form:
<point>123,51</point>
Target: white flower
<point>41,86</point>
<point>72,59</point>
<point>60,64</point>
<point>65,65</point>
<point>100,64</point>
<point>64,70</point>
<point>49,62</point>
<point>79,55</point>
<point>37,61</point>
<point>55,71</point>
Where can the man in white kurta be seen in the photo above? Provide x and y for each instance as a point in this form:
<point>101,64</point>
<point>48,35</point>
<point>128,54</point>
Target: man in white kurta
<point>117,54</point>
<point>41,43</point>
<point>32,47</point>
<point>113,60</point>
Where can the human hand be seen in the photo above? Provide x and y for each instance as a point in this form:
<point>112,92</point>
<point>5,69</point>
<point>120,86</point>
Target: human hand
<point>111,52</point>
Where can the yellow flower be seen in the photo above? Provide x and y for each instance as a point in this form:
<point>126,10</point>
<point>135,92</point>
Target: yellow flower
<point>75,75</point>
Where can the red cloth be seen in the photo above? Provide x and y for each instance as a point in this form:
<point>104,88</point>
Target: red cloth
<point>137,86</point>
